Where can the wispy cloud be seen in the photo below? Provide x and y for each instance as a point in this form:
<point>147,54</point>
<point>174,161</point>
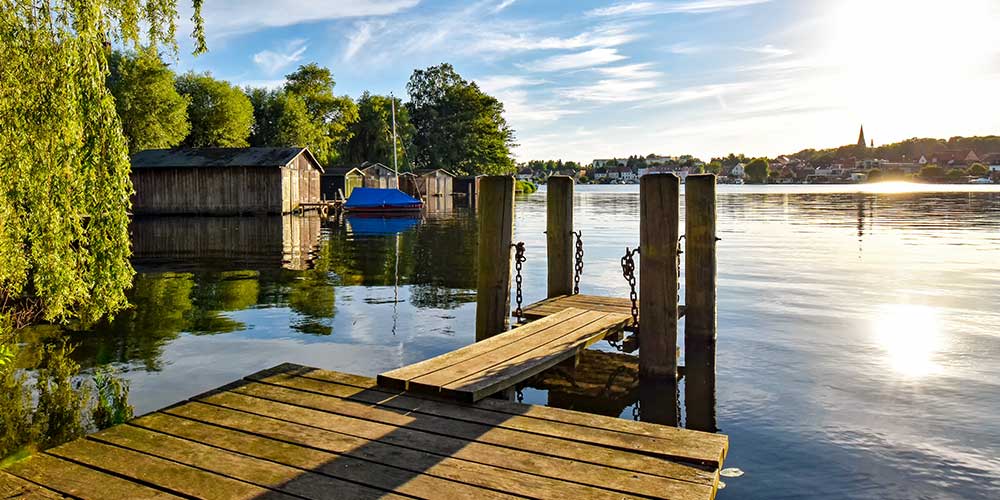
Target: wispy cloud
<point>618,84</point>
<point>678,7</point>
<point>228,17</point>
<point>577,60</point>
<point>503,5</point>
<point>271,62</point>
<point>768,50</point>
<point>359,37</point>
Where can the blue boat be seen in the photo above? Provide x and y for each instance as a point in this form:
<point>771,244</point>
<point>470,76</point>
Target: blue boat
<point>381,201</point>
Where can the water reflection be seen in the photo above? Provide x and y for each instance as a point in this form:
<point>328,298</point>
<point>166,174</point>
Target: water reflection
<point>911,336</point>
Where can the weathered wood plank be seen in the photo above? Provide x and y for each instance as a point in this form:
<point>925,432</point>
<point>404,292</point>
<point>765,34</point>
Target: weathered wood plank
<point>644,476</point>
<point>14,487</point>
<point>164,474</point>
<point>399,377</point>
<point>554,305</point>
<point>482,358</point>
<point>670,442</point>
<point>494,378</point>
<point>363,461</point>
<point>78,481</point>
<point>263,473</point>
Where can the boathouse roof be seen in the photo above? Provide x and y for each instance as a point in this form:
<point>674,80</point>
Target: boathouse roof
<point>219,157</point>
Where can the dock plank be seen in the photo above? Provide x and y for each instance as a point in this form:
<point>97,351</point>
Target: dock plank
<point>79,481</point>
<point>669,442</point>
<point>643,478</point>
<point>299,432</point>
<point>360,460</point>
<point>165,474</point>
<point>554,305</point>
<point>12,487</point>
<point>263,473</point>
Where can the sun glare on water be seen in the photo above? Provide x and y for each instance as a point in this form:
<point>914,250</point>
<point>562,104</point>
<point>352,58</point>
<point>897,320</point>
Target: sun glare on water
<point>911,337</point>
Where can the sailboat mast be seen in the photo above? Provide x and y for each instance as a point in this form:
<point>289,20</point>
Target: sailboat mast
<point>393,99</point>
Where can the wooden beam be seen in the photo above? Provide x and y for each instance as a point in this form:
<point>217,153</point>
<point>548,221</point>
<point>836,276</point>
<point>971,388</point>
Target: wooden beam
<point>559,237</point>
<point>496,228</point>
<point>658,234</point>
<point>701,276</point>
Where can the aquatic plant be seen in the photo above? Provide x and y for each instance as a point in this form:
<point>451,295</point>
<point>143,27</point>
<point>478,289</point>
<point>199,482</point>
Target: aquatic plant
<point>111,393</point>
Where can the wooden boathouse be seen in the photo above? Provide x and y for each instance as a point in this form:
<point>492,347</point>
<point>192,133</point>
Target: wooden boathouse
<point>224,181</point>
<point>448,427</point>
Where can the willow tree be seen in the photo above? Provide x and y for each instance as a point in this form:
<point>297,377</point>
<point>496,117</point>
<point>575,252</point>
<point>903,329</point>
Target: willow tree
<point>64,166</point>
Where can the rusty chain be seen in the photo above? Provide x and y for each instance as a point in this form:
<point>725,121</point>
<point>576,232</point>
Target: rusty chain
<point>628,272</point>
<point>519,260</point>
<point>578,265</point>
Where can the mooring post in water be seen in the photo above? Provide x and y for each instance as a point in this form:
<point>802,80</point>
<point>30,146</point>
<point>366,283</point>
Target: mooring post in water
<point>559,234</point>
<point>659,196</point>
<point>700,283</point>
<point>496,229</point>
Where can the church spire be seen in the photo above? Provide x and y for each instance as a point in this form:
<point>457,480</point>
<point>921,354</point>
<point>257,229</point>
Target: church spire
<point>861,137</point>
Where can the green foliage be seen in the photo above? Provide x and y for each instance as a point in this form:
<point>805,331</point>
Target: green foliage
<point>220,114</point>
<point>371,135</point>
<point>525,187</point>
<point>63,211</point>
<point>457,126</point>
<point>977,170</point>
<point>931,172</point>
<point>281,119</point>
<point>15,410</point>
<point>875,175</point>
<point>152,113</point>
<point>332,115</point>
<point>758,170</point>
<point>954,173</point>
<point>714,167</point>
<point>58,416</point>
<point>111,406</point>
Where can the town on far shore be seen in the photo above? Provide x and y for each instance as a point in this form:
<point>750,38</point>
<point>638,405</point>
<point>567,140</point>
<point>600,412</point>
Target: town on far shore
<point>962,160</point>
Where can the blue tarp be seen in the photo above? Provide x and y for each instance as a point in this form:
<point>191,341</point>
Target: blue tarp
<point>379,226</point>
<point>380,198</point>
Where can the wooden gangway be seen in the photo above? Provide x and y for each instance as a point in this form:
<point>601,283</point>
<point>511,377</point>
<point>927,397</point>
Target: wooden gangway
<point>299,432</point>
<point>500,362</point>
<point>559,303</point>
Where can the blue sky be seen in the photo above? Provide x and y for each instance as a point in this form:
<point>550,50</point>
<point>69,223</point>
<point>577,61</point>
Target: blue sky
<point>596,79</point>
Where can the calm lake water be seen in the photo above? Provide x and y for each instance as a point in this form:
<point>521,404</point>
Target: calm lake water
<point>859,331</point>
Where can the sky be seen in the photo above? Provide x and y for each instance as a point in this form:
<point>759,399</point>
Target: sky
<point>589,79</point>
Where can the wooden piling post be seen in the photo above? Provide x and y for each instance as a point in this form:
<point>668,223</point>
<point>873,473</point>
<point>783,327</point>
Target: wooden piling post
<point>700,323</point>
<point>558,230</point>
<point>659,225</point>
<point>496,228</point>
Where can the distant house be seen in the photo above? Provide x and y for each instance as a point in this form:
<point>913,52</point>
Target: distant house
<point>991,159</point>
<point>224,181</point>
<point>341,181</point>
<point>378,175</point>
<point>600,172</point>
<point>738,171</point>
<point>955,157</point>
<point>525,174</point>
<point>435,182</point>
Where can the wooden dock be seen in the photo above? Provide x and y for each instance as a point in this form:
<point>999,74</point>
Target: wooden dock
<point>559,303</point>
<point>299,432</point>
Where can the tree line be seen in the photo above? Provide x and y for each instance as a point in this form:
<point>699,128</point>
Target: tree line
<point>448,121</point>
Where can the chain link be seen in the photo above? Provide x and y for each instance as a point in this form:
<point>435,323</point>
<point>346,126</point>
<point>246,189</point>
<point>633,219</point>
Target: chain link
<point>579,262</point>
<point>635,411</point>
<point>519,260</point>
<point>628,272</point>
<point>680,251</point>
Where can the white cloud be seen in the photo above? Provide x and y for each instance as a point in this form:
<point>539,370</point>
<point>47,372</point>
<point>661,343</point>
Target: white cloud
<point>498,83</point>
<point>768,50</point>
<point>680,7</point>
<point>503,5</point>
<point>626,83</point>
<point>271,62</point>
<point>359,37</point>
<point>224,17</point>
<point>587,59</point>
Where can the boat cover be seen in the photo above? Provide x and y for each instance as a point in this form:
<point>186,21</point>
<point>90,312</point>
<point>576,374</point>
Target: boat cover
<point>380,198</point>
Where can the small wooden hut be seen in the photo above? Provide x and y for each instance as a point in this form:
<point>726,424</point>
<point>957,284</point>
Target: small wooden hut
<point>409,183</point>
<point>337,181</point>
<point>378,175</point>
<point>224,181</point>
<point>435,182</point>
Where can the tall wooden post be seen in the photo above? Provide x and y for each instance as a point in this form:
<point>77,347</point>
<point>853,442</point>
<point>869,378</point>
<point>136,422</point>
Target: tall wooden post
<point>659,196</point>
<point>496,228</point>
<point>558,230</point>
<point>700,324</point>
